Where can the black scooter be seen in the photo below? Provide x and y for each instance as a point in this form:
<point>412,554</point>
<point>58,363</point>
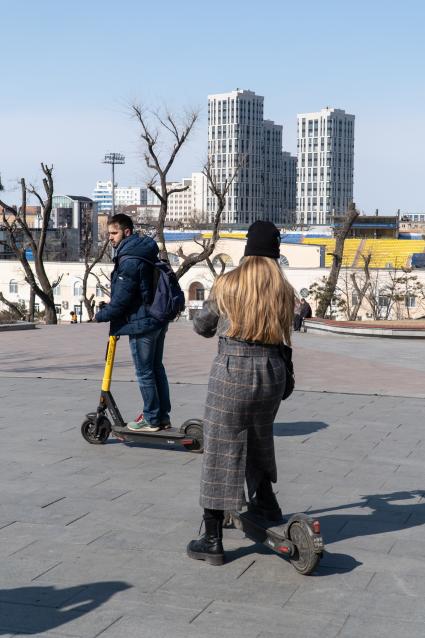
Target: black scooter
<point>97,427</point>
<point>299,539</point>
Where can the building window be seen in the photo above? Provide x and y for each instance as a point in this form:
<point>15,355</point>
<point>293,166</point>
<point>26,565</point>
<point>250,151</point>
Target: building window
<point>78,289</point>
<point>99,291</point>
<point>196,291</point>
<point>383,300</point>
<point>410,301</point>
<point>13,287</point>
<point>58,309</point>
<point>56,291</point>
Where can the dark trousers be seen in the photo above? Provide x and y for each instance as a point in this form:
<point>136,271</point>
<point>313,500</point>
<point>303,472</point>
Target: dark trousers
<point>147,351</point>
<point>298,320</point>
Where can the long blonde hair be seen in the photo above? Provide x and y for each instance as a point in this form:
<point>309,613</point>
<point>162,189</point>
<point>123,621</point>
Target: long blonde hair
<point>258,301</point>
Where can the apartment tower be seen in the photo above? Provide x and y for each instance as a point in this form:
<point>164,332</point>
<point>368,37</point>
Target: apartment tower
<point>325,165</point>
<point>238,135</point>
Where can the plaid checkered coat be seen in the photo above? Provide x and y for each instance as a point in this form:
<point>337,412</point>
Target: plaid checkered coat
<point>244,392</point>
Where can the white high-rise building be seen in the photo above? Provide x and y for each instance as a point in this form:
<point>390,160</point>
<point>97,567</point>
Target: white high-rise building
<point>199,189</point>
<point>289,171</point>
<point>238,135</point>
<point>132,195</point>
<point>235,134</point>
<point>190,204</point>
<point>325,165</point>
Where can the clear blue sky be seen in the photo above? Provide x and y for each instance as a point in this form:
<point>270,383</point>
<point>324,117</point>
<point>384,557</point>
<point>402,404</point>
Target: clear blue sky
<point>69,70</point>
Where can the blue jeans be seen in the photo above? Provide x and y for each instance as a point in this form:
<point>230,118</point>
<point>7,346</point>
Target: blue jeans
<point>147,351</point>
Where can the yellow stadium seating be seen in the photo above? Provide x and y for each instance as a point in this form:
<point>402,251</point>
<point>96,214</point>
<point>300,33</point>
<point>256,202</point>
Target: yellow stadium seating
<point>351,247</point>
<point>390,253</point>
<point>386,253</point>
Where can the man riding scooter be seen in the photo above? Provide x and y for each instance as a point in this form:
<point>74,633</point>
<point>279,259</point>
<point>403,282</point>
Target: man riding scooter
<point>132,287</point>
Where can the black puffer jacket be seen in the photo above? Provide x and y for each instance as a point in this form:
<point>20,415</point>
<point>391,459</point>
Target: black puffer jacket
<point>131,288</point>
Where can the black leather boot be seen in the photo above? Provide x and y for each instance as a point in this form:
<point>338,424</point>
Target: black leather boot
<point>210,546</point>
<point>265,503</point>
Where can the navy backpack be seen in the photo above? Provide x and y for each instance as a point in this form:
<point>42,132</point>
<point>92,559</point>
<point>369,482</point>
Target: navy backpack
<point>168,300</point>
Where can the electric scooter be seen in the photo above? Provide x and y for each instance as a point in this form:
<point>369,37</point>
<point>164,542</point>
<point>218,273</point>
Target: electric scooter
<point>97,427</point>
<point>299,539</point>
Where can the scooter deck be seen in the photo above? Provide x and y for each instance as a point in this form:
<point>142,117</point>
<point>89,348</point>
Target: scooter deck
<point>169,434</point>
<point>261,529</point>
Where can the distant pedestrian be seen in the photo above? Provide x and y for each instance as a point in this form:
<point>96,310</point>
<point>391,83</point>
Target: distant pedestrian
<point>73,317</point>
<point>304,312</point>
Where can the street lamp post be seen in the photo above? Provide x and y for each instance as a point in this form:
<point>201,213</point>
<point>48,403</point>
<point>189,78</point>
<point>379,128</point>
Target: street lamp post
<point>113,159</point>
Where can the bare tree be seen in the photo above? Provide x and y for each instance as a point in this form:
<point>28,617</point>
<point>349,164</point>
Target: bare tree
<point>391,291</point>
<point>92,256</point>
<point>158,166</point>
<point>360,288</point>
<point>17,310</point>
<point>219,260</point>
<point>160,169</point>
<point>338,302</point>
<point>208,244</point>
<point>410,289</point>
<point>332,280</point>
<point>20,237</point>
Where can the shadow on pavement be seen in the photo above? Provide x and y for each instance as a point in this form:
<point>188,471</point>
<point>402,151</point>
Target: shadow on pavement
<point>37,609</point>
<point>330,563</point>
<point>386,516</point>
<point>298,428</point>
<point>333,563</point>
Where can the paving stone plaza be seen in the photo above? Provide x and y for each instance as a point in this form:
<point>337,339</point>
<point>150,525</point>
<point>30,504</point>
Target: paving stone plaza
<point>93,538</point>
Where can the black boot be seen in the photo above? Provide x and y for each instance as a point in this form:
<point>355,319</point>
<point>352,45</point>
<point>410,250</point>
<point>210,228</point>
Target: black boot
<point>265,503</point>
<point>210,546</point>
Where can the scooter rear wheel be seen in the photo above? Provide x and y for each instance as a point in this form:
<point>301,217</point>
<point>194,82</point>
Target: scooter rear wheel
<point>305,559</point>
<point>88,429</point>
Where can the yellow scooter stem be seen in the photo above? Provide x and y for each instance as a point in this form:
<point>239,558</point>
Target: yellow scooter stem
<point>109,364</point>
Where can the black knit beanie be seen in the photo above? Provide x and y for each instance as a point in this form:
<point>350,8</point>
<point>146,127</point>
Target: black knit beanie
<point>263,240</point>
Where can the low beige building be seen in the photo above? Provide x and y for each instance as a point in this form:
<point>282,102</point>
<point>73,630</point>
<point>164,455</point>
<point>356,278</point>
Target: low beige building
<point>301,263</point>
<point>196,283</point>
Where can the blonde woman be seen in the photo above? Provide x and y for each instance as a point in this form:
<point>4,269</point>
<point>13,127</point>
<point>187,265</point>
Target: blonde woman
<point>251,308</point>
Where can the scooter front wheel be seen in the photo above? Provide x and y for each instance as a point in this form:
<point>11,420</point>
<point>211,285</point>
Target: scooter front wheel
<point>88,430</point>
<point>305,559</point>
<point>192,428</point>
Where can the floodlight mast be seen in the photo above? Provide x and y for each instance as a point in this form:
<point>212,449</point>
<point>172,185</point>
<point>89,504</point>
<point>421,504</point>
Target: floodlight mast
<point>113,159</point>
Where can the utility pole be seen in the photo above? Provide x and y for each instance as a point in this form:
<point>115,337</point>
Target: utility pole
<point>113,159</point>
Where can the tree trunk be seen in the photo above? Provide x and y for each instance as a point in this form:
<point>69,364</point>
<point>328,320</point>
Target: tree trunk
<point>361,292</point>
<point>332,280</point>
<point>31,306</point>
<point>47,298</point>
